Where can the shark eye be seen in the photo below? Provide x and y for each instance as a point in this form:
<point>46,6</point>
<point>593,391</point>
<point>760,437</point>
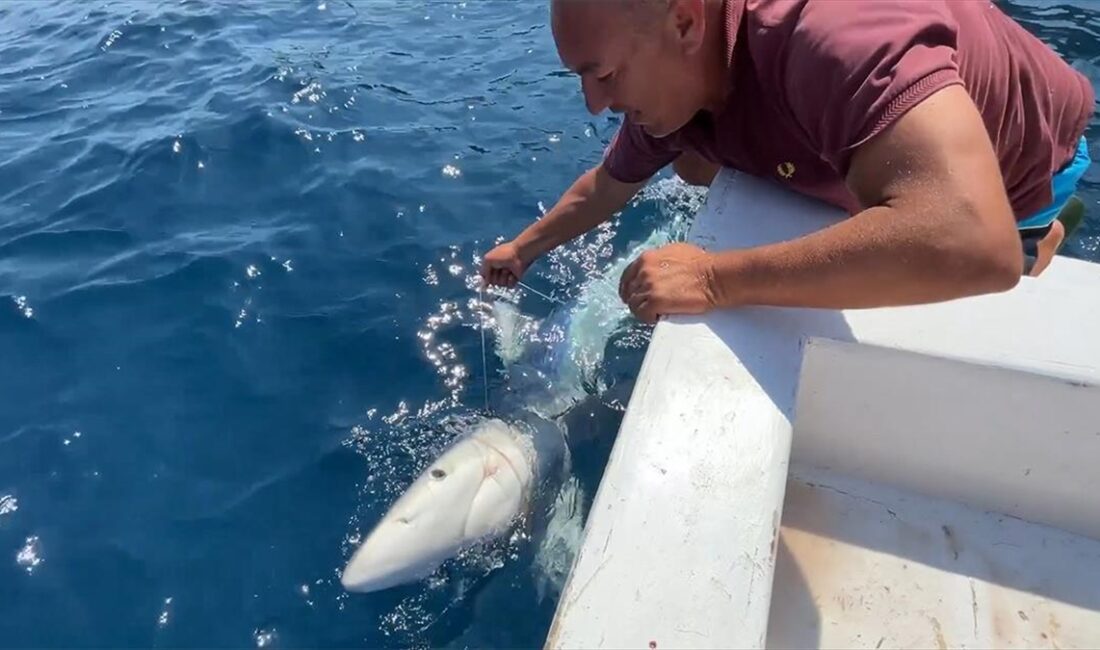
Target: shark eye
<point>438,473</point>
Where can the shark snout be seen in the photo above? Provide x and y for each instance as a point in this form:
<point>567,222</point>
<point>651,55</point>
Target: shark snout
<point>473,491</point>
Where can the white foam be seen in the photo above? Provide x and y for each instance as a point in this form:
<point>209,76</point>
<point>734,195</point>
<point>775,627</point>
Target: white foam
<point>513,331</point>
<point>8,504</point>
<point>29,557</point>
<point>559,544</point>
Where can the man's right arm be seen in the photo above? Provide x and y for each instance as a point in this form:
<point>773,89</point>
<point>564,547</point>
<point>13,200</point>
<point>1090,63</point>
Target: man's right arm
<point>590,201</point>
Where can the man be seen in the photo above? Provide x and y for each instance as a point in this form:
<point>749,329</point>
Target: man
<point>951,135</point>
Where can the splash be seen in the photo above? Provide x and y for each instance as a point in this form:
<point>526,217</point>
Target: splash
<point>23,307</point>
<point>8,504</point>
<point>312,92</point>
<point>398,443</point>
<point>265,638</point>
<point>30,556</point>
<point>561,540</point>
<point>165,614</point>
<point>112,38</point>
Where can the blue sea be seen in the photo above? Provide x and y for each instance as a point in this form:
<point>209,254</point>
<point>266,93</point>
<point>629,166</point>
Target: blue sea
<point>237,244</point>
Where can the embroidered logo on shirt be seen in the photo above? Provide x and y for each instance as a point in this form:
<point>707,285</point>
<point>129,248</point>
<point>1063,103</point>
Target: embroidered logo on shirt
<point>786,169</point>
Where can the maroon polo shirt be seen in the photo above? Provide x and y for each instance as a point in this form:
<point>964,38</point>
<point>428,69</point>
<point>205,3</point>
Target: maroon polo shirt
<point>814,79</point>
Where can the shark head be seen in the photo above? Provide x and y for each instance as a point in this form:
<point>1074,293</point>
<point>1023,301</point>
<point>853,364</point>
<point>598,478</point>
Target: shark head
<point>471,492</point>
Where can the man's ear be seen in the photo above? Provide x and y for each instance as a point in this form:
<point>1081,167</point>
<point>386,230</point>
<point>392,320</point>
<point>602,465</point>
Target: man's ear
<point>688,18</point>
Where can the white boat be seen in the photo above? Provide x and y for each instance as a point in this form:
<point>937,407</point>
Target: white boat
<point>908,477</point>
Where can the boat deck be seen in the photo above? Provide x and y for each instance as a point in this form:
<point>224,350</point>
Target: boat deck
<point>861,564</point>
<point>905,477</point>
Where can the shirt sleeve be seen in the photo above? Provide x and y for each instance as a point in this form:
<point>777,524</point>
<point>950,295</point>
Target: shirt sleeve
<point>853,67</point>
<point>634,156</point>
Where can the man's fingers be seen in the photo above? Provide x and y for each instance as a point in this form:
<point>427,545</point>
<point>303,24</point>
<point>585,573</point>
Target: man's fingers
<point>486,273</point>
<point>636,302</point>
<point>638,286</point>
<point>626,279</point>
<point>644,305</point>
<point>501,278</point>
<point>623,280</point>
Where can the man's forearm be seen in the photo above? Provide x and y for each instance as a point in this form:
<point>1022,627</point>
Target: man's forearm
<point>590,201</point>
<point>877,258</point>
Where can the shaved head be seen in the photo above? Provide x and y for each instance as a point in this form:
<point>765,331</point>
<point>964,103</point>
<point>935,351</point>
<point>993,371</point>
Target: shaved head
<point>647,59</point>
<point>638,13</point>
<point>644,13</point>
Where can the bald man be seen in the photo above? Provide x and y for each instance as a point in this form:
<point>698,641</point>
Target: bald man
<point>952,137</point>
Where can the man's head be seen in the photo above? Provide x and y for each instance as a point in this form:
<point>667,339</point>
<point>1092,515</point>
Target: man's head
<point>647,59</point>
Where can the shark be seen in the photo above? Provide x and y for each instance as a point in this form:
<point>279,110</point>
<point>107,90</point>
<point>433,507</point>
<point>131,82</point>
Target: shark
<point>495,472</point>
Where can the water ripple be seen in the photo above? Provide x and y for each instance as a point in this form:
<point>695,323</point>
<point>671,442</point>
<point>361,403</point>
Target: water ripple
<point>237,244</point>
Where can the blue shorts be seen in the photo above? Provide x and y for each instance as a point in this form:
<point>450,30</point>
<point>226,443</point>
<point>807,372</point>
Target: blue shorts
<point>1063,185</point>
<point>1033,229</point>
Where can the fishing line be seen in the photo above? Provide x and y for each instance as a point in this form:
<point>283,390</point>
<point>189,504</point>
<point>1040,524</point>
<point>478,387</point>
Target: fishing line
<point>484,347</point>
<point>484,354</point>
<point>539,293</point>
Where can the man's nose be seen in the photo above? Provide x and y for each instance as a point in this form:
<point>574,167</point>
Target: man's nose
<point>595,99</point>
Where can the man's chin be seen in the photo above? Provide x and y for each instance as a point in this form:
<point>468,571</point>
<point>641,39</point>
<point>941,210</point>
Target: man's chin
<point>655,131</point>
<point>663,129</point>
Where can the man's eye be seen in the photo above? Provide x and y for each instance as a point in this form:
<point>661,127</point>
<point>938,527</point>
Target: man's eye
<point>605,77</point>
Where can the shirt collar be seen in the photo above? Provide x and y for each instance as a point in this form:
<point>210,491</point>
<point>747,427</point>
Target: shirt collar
<point>732,12</point>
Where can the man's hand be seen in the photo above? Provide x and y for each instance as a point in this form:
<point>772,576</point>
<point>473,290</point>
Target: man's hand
<point>590,201</point>
<point>673,279</point>
<point>503,266</point>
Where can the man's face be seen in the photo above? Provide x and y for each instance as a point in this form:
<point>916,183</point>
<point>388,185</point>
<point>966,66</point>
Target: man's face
<point>629,62</point>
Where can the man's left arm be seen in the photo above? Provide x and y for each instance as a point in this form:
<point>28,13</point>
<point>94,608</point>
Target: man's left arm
<point>941,227</point>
